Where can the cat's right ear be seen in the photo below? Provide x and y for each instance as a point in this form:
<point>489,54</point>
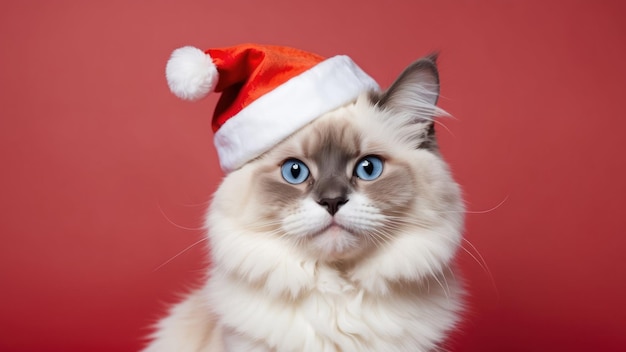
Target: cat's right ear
<point>415,92</point>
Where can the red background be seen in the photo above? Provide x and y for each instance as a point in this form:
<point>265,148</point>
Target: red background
<point>105,174</point>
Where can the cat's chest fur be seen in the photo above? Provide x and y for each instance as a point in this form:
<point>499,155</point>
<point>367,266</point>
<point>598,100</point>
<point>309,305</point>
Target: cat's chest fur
<point>335,313</point>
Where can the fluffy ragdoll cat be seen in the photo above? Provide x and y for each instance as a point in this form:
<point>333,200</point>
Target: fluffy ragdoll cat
<point>340,238</point>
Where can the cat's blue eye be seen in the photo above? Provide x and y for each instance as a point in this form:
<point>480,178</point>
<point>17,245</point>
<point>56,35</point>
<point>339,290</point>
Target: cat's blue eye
<point>369,168</point>
<point>294,171</point>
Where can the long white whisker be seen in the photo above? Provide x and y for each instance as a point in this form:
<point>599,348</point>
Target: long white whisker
<point>180,253</point>
<point>177,225</point>
<point>381,236</point>
<point>445,291</point>
<point>444,126</point>
<point>490,210</point>
<point>478,258</point>
<point>478,211</point>
<point>484,265</point>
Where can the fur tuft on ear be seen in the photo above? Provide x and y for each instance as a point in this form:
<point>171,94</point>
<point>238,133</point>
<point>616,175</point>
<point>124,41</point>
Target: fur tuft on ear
<point>410,103</point>
<point>415,91</point>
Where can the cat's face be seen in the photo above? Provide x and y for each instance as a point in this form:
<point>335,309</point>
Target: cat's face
<point>352,182</point>
<point>335,189</point>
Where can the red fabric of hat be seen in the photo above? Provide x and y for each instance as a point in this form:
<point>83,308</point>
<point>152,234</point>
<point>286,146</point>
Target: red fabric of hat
<point>268,92</point>
<point>249,71</point>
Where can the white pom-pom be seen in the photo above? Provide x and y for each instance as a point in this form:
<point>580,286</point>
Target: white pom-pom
<point>191,73</point>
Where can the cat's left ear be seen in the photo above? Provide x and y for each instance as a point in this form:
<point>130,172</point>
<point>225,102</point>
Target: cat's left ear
<point>412,98</point>
<point>415,91</point>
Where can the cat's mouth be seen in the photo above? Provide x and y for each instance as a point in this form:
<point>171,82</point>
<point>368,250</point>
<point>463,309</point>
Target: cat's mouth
<point>335,241</point>
<point>332,229</point>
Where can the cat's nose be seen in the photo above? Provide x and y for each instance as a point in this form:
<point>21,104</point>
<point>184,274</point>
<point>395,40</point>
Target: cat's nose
<point>332,205</point>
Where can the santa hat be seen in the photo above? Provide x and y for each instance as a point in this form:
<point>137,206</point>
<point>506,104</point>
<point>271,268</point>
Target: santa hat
<point>268,92</point>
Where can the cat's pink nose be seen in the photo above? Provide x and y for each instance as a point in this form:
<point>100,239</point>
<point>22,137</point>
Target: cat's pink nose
<point>332,205</point>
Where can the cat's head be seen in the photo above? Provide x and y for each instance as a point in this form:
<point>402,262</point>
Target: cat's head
<point>362,182</point>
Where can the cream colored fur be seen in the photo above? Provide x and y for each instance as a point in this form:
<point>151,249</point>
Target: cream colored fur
<point>290,277</point>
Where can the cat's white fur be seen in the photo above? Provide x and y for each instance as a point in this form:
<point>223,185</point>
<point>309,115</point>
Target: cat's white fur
<point>303,281</point>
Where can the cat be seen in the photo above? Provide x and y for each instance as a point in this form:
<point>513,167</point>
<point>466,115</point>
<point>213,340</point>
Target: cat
<point>340,238</point>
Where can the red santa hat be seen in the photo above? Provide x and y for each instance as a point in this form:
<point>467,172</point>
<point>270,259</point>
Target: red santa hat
<point>268,92</point>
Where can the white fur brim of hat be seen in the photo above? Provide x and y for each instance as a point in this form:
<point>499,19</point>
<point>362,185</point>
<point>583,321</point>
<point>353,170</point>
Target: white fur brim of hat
<point>191,75</point>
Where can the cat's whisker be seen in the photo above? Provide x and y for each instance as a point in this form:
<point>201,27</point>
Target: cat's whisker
<point>491,209</point>
<point>445,280</point>
<point>181,253</point>
<point>382,237</point>
<point>480,262</point>
<point>205,203</point>
<point>484,265</point>
<point>477,258</point>
<point>400,226</point>
<point>263,225</point>
<point>265,228</point>
<point>386,237</point>
<point>400,223</point>
<point>374,240</point>
<point>202,228</point>
<point>435,277</point>
<point>478,211</point>
<point>439,123</point>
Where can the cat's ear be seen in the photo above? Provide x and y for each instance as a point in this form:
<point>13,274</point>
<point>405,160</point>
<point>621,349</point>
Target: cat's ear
<point>412,99</point>
<point>415,91</point>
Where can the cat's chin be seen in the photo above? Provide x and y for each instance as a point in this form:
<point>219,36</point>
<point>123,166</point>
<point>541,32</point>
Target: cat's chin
<point>336,243</point>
